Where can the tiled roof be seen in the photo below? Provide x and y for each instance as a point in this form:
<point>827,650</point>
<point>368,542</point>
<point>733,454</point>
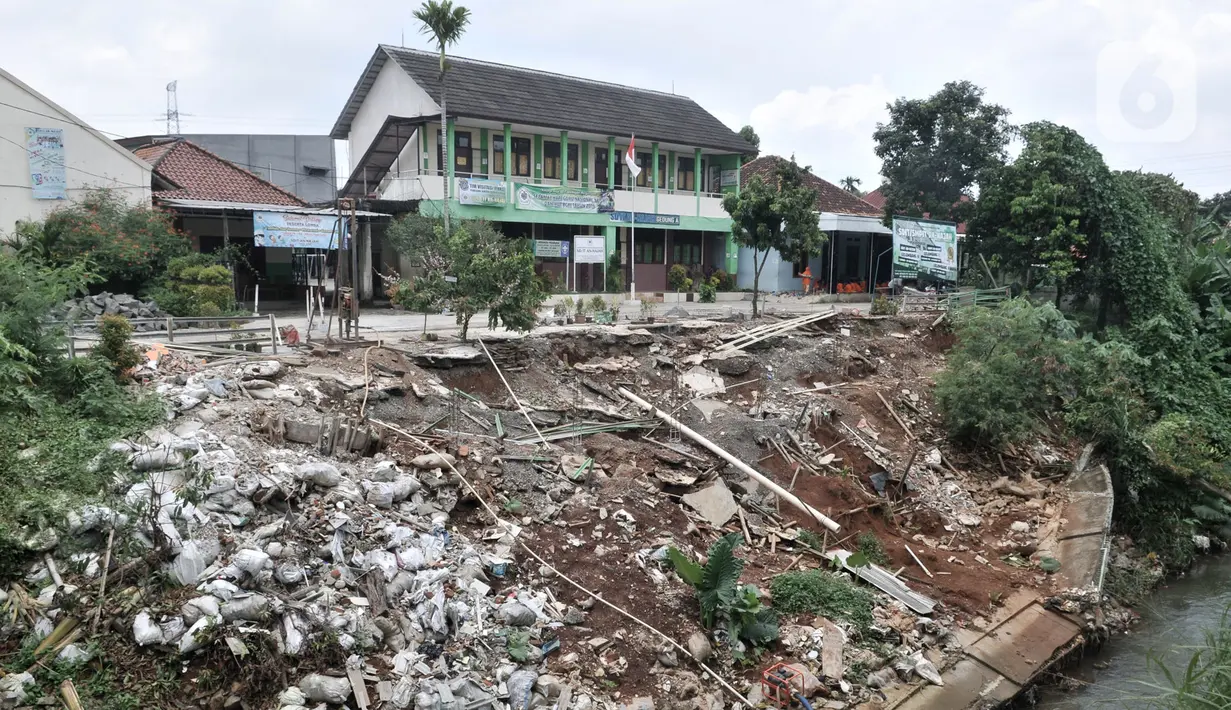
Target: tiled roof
<point>498,92</point>
<point>830,198</point>
<point>876,198</point>
<point>201,175</point>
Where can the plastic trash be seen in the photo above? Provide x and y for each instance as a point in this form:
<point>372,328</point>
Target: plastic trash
<point>74,653</point>
<point>319,473</point>
<point>220,588</point>
<point>217,387</point>
<point>521,685</point>
<point>289,573</point>
<point>516,614</point>
<point>430,461</point>
<point>157,459</point>
<point>194,557</point>
<point>194,609</point>
<point>292,696</point>
<point>13,687</point>
<point>386,561</point>
<point>191,640</point>
<point>325,689</point>
<point>172,629</point>
<point>251,561</point>
<point>292,635</point>
<point>264,370</point>
<point>145,631</point>
<point>403,693</point>
<point>253,607</point>
<point>380,495</point>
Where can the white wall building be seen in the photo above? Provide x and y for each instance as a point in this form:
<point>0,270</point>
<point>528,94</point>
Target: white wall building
<point>49,157</point>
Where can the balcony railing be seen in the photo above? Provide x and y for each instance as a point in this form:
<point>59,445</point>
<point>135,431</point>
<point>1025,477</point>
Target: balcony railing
<point>417,184</point>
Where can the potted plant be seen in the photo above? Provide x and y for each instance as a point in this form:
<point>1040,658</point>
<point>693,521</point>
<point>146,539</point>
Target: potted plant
<point>647,310</point>
<point>613,305</point>
<point>583,309</point>
<point>597,305</point>
<point>564,309</point>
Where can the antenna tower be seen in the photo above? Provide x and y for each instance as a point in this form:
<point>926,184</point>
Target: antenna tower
<point>173,110</point>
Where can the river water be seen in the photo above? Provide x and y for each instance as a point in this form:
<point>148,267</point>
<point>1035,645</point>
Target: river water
<point>1172,623</point>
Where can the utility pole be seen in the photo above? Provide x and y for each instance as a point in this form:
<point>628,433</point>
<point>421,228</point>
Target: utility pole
<point>354,271</point>
<point>173,109</point>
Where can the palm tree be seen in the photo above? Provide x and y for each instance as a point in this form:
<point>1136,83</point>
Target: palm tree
<point>445,24</point>
<point>851,185</point>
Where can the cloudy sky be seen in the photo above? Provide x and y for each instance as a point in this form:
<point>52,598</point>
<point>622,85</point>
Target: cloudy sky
<point>1149,82</point>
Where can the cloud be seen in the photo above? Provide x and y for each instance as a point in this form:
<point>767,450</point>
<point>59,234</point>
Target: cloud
<point>846,108</point>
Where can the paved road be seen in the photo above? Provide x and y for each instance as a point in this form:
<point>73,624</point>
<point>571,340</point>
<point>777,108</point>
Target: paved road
<point>386,322</point>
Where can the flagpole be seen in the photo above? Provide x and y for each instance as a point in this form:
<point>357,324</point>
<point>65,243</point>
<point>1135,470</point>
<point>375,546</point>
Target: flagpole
<point>632,245</point>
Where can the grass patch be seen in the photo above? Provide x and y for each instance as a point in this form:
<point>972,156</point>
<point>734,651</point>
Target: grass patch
<point>1132,585</point>
<point>872,548</point>
<point>45,464</point>
<point>825,593</point>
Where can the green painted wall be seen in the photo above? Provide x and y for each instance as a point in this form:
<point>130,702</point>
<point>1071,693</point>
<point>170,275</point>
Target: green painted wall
<point>509,213</point>
<point>538,158</point>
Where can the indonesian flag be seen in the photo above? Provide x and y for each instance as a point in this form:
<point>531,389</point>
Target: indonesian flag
<point>630,159</point>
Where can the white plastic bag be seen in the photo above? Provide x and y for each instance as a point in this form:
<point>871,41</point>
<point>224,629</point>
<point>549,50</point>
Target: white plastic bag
<point>145,631</point>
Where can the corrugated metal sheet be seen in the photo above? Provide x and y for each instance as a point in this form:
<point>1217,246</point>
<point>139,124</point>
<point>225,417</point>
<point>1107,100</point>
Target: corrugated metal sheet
<point>884,580</point>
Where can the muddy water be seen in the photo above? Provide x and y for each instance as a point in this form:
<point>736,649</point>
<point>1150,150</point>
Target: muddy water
<point>1173,619</point>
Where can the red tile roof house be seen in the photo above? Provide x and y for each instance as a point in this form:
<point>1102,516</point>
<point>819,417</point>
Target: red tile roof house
<point>859,250</point>
<point>215,200</point>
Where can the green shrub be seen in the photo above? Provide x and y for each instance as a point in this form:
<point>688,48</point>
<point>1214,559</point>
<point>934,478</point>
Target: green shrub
<point>195,285</point>
<point>828,594</point>
<point>677,278</point>
<point>709,292</point>
<point>1010,369</point>
<point>615,274</point>
<point>724,281</point>
<point>884,306</point>
<point>872,548</point>
<point>723,599</point>
<point>113,346</point>
<point>597,303</point>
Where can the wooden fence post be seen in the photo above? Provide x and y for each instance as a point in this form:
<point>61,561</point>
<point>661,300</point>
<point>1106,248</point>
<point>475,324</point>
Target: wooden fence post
<point>273,334</point>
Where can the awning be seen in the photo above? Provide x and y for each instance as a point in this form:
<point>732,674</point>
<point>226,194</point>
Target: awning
<point>830,222</point>
<point>217,206</point>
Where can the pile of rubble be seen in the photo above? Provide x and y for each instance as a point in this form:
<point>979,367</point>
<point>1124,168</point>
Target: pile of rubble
<point>89,308</point>
<point>446,559</point>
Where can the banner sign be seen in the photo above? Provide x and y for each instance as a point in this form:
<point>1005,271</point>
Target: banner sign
<point>46,149</point>
<point>925,248</point>
<point>589,250</point>
<point>727,178</point>
<point>480,191</point>
<point>551,248</point>
<point>646,218</point>
<point>298,231</point>
<point>552,198</point>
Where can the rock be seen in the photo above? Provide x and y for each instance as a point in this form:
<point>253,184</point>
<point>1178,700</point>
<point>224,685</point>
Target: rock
<point>516,614</point>
<point>699,646</point>
<point>431,461</point>
<point>970,521</point>
<point>642,703</point>
<point>668,657</point>
<point>550,686</point>
<point>1019,526</point>
<point>574,616</point>
<point>811,683</point>
<point>715,503</point>
<point>325,689</point>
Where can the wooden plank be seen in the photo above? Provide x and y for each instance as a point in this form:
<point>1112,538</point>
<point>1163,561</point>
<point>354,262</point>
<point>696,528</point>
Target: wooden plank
<point>360,688</point>
<point>832,645</point>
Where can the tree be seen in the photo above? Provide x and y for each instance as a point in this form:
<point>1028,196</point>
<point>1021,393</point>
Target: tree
<point>749,135</point>
<point>934,150</point>
<point>445,24</point>
<point>1179,206</point>
<point>127,246</point>
<point>1041,209</point>
<point>850,183</point>
<point>471,269</point>
<point>778,214</point>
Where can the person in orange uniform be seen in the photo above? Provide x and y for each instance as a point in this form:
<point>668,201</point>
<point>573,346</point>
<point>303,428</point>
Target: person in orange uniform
<point>807,279</point>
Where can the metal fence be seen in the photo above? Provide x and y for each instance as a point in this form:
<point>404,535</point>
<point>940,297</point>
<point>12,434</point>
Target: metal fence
<point>919,302</point>
<point>212,332</point>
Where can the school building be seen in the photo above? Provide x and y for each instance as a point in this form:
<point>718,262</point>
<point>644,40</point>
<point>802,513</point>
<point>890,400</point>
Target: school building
<point>541,155</point>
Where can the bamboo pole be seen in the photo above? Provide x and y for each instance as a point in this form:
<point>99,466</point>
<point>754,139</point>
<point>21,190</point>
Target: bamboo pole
<point>722,454</point>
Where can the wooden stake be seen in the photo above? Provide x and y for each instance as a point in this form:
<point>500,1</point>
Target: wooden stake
<point>916,559</point>
<point>102,590</point>
<point>895,416</point>
<point>744,524</point>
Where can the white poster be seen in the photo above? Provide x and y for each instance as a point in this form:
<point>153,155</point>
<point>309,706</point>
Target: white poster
<point>589,250</point>
<point>46,149</point>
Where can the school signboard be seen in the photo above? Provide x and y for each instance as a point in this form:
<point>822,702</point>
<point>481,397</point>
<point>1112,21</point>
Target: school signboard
<point>924,247</point>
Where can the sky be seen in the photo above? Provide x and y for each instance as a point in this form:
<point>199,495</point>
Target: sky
<point>1147,82</point>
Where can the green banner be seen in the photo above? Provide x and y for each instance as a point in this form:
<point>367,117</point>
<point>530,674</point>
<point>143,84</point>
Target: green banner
<point>552,198</point>
<point>924,247</point>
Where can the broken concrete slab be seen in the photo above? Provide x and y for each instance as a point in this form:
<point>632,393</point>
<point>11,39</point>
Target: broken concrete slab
<point>715,503</point>
<point>708,408</point>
